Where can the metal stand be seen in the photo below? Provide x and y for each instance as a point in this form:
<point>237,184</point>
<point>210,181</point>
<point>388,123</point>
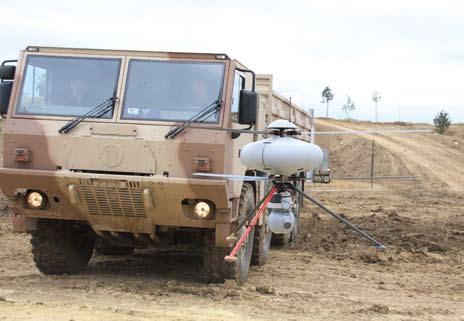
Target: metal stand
<point>378,245</point>
<point>261,208</point>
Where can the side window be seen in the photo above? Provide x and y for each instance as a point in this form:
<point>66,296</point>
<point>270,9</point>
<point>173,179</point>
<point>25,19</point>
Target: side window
<point>35,87</point>
<point>239,84</point>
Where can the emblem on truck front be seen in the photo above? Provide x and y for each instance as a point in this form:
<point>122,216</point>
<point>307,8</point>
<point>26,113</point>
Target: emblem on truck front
<point>111,155</point>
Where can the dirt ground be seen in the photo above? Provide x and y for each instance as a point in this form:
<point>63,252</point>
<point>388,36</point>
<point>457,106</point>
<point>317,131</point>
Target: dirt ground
<point>329,274</point>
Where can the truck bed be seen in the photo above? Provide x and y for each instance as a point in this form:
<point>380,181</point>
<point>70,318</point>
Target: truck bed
<point>273,106</point>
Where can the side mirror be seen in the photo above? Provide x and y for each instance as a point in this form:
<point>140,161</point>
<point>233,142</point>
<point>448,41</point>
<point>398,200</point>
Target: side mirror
<point>7,72</point>
<point>248,107</point>
<point>5,93</point>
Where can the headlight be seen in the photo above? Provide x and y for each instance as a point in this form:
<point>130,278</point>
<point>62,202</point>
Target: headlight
<point>202,209</point>
<point>35,200</point>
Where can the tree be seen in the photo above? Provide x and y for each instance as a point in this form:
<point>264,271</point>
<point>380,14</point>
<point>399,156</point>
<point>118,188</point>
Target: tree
<point>442,122</point>
<point>349,106</point>
<point>376,97</point>
<point>327,96</point>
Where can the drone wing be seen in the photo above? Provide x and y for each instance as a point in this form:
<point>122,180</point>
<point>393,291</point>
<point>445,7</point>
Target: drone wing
<point>233,177</point>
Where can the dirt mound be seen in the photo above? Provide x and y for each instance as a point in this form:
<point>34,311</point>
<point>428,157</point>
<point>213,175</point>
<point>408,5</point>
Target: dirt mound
<point>406,238</point>
<point>436,158</point>
<point>418,221</point>
<point>350,156</point>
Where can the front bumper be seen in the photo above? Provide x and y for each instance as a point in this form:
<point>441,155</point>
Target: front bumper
<point>118,202</point>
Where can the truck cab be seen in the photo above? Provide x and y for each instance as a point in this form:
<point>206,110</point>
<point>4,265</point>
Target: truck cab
<point>100,147</point>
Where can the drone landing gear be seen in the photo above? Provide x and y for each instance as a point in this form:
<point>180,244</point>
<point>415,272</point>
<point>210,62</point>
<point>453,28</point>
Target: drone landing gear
<point>260,209</point>
<point>377,244</point>
<point>288,239</point>
<point>262,206</point>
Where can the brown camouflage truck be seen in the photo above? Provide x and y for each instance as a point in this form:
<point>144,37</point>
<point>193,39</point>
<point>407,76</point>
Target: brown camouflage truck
<point>100,147</point>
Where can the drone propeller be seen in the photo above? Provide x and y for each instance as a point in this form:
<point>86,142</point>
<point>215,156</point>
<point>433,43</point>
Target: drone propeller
<point>296,132</point>
<point>234,177</point>
<point>357,132</point>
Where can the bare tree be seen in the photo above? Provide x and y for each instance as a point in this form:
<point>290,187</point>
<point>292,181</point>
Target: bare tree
<point>349,106</point>
<point>376,97</point>
<point>327,96</point>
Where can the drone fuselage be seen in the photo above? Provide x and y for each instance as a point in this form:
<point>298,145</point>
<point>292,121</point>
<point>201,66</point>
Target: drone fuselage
<point>281,155</point>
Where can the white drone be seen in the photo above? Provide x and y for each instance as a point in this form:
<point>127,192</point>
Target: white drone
<point>283,156</point>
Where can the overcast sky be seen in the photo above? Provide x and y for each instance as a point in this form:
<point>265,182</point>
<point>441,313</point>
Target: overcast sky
<point>410,51</point>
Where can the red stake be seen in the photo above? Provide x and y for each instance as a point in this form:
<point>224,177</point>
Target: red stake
<point>232,256</point>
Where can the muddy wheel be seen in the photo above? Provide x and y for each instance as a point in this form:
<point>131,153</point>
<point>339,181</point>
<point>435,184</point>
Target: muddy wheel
<point>62,247</point>
<point>280,240</point>
<point>297,212</point>
<point>219,270</point>
<point>261,244</point>
<point>104,247</point>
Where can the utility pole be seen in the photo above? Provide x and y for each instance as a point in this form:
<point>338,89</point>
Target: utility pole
<point>372,164</point>
<point>376,98</point>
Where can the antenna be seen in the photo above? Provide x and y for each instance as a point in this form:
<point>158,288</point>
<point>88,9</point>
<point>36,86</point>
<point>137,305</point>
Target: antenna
<point>290,110</point>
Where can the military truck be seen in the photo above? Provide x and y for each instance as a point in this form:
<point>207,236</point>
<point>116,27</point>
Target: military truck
<point>100,147</point>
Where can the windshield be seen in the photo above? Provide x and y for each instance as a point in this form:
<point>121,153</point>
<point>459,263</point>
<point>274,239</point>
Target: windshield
<point>171,91</point>
<point>67,86</point>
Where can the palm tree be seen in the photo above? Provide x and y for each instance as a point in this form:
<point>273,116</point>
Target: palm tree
<point>376,97</point>
<point>327,96</point>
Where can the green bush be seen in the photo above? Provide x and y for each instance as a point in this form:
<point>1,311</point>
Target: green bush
<point>442,122</point>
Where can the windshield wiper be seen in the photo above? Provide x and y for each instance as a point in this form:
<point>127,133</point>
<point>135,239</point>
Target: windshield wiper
<point>199,117</point>
<point>96,112</point>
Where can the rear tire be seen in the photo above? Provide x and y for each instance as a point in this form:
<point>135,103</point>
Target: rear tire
<point>298,207</point>
<point>280,240</point>
<point>261,244</point>
<point>297,212</point>
<point>62,247</point>
<point>104,247</point>
<point>219,270</point>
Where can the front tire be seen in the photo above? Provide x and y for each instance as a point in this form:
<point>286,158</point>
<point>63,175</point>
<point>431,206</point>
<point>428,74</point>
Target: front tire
<point>219,270</point>
<point>62,247</point>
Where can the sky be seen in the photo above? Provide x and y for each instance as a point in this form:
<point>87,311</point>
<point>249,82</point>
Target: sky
<point>412,52</point>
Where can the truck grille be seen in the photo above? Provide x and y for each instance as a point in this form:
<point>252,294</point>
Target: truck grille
<point>113,198</point>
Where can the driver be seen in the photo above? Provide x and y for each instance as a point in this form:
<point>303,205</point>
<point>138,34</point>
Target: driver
<point>200,93</point>
<point>79,93</point>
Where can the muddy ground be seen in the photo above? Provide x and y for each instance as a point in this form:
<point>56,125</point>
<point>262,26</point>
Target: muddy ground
<point>329,274</point>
